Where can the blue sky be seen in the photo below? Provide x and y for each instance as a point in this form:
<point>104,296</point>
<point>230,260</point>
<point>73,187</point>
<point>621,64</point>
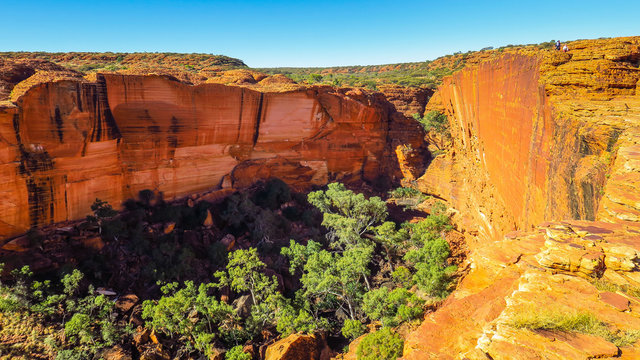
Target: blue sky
<point>319,33</point>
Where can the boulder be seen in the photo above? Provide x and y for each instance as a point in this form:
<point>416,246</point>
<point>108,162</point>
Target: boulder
<point>299,347</point>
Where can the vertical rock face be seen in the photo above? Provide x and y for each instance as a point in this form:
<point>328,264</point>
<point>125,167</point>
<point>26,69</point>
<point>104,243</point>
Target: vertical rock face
<point>546,138</point>
<point>69,142</point>
<point>535,134</point>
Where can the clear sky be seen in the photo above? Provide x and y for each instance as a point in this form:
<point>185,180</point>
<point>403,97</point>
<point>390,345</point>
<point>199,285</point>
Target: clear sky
<point>307,33</point>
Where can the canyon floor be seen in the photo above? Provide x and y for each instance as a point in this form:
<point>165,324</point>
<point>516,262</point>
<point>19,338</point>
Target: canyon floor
<point>539,169</point>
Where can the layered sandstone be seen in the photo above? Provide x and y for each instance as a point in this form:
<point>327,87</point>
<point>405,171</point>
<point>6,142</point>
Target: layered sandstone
<point>535,133</point>
<point>551,270</point>
<point>538,137</point>
<point>66,143</point>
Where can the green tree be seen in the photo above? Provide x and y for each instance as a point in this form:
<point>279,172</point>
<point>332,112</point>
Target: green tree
<point>353,329</point>
<point>236,353</point>
<point>244,273</point>
<point>428,254</point>
<point>380,345</point>
<point>392,307</point>
<point>347,215</point>
<point>191,314</point>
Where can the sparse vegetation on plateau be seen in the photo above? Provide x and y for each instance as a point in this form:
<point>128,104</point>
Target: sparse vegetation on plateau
<point>572,321</point>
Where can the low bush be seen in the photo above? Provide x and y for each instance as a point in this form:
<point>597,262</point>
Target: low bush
<point>236,353</point>
<point>353,329</point>
<point>392,307</point>
<point>434,121</point>
<point>380,345</point>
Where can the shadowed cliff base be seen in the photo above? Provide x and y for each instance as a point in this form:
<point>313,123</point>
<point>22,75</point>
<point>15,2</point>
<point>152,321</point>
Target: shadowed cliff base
<point>124,133</point>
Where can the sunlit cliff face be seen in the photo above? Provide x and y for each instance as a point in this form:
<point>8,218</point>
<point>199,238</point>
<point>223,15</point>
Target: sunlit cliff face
<point>69,142</point>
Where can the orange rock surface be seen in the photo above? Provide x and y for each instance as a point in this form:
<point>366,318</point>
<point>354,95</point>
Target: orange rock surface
<point>538,137</point>
<point>66,143</point>
<point>535,133</point>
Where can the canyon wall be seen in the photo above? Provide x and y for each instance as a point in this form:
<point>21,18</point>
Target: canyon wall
<point>65,143</point>
<point>534,135</point>
<point>544,169</point>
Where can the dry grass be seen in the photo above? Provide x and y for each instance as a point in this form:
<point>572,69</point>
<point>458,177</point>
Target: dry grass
<point>580,322</point>
<point>606,285</point>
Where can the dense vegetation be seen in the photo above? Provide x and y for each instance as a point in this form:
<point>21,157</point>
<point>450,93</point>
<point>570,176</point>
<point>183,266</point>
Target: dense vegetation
<point>370,77</point>
<point>329,262</point>
<point>417,74</point>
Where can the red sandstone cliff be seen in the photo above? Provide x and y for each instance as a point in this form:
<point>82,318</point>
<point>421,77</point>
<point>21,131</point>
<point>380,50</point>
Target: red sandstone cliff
<point>541,136</point>
<point>535,133</point>
<point>66,143</point>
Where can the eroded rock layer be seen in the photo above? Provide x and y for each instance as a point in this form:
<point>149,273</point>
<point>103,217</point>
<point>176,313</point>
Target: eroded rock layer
<point>535,133</point>
<point>538,138</point>
<point>66,143</point>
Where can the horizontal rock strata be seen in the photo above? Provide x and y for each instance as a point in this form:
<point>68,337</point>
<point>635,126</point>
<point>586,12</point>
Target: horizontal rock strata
<point>66,143</point>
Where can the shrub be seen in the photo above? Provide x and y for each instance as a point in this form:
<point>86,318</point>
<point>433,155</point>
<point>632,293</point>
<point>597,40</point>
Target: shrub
<point>189,313</point>
<point>290,320</point>
<point>380,345</point>
<point>353,329</point>
<point>434,121</point>
<point>392,307</point>
<point>405,193</point>
<point>402,277</point>
<point>236,353</point>
<point>347,215</point>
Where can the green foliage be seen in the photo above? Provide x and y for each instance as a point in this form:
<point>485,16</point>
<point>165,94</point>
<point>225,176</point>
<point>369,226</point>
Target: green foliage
<point>392,307</point>
<point>402,277</point>
<point>606,285</point>
<point>434,121</point>
<point>244,274</point>
<point>405,193</point>
<point>428,252</point>
<point>353,329</point>
<point>347,215</point>
<point>331,279</point>
<point>191,314</point>
<point>78,329</point>
<point>236,353</point>
<point>314,78</point>
<point>380,345</point>
<point>418,74</point>
<point>87,318</point>
<point>290,319</point>
<point>339,280</point>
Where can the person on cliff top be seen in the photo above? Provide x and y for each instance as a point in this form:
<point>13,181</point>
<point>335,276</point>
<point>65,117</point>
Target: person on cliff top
<point>565,48</point>
<point>557,44</point>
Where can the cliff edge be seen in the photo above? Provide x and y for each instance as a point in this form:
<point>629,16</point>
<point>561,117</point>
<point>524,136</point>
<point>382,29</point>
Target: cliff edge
<point>543,171</point>
<point>66,140</point>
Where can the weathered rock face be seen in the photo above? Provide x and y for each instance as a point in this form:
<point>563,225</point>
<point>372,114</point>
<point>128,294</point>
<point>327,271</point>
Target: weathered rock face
<point>536,133</point>
<point>541,137</point>
<point>299,347</point>
<point>528,275</point>
<point>69,142</point>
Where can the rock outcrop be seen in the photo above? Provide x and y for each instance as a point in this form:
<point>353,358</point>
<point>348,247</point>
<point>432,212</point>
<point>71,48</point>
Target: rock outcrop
<point>540,137</point>
<point>535,134</point>
<point>65,143</point>
<point>524,277</point>
<point>299,347</point>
